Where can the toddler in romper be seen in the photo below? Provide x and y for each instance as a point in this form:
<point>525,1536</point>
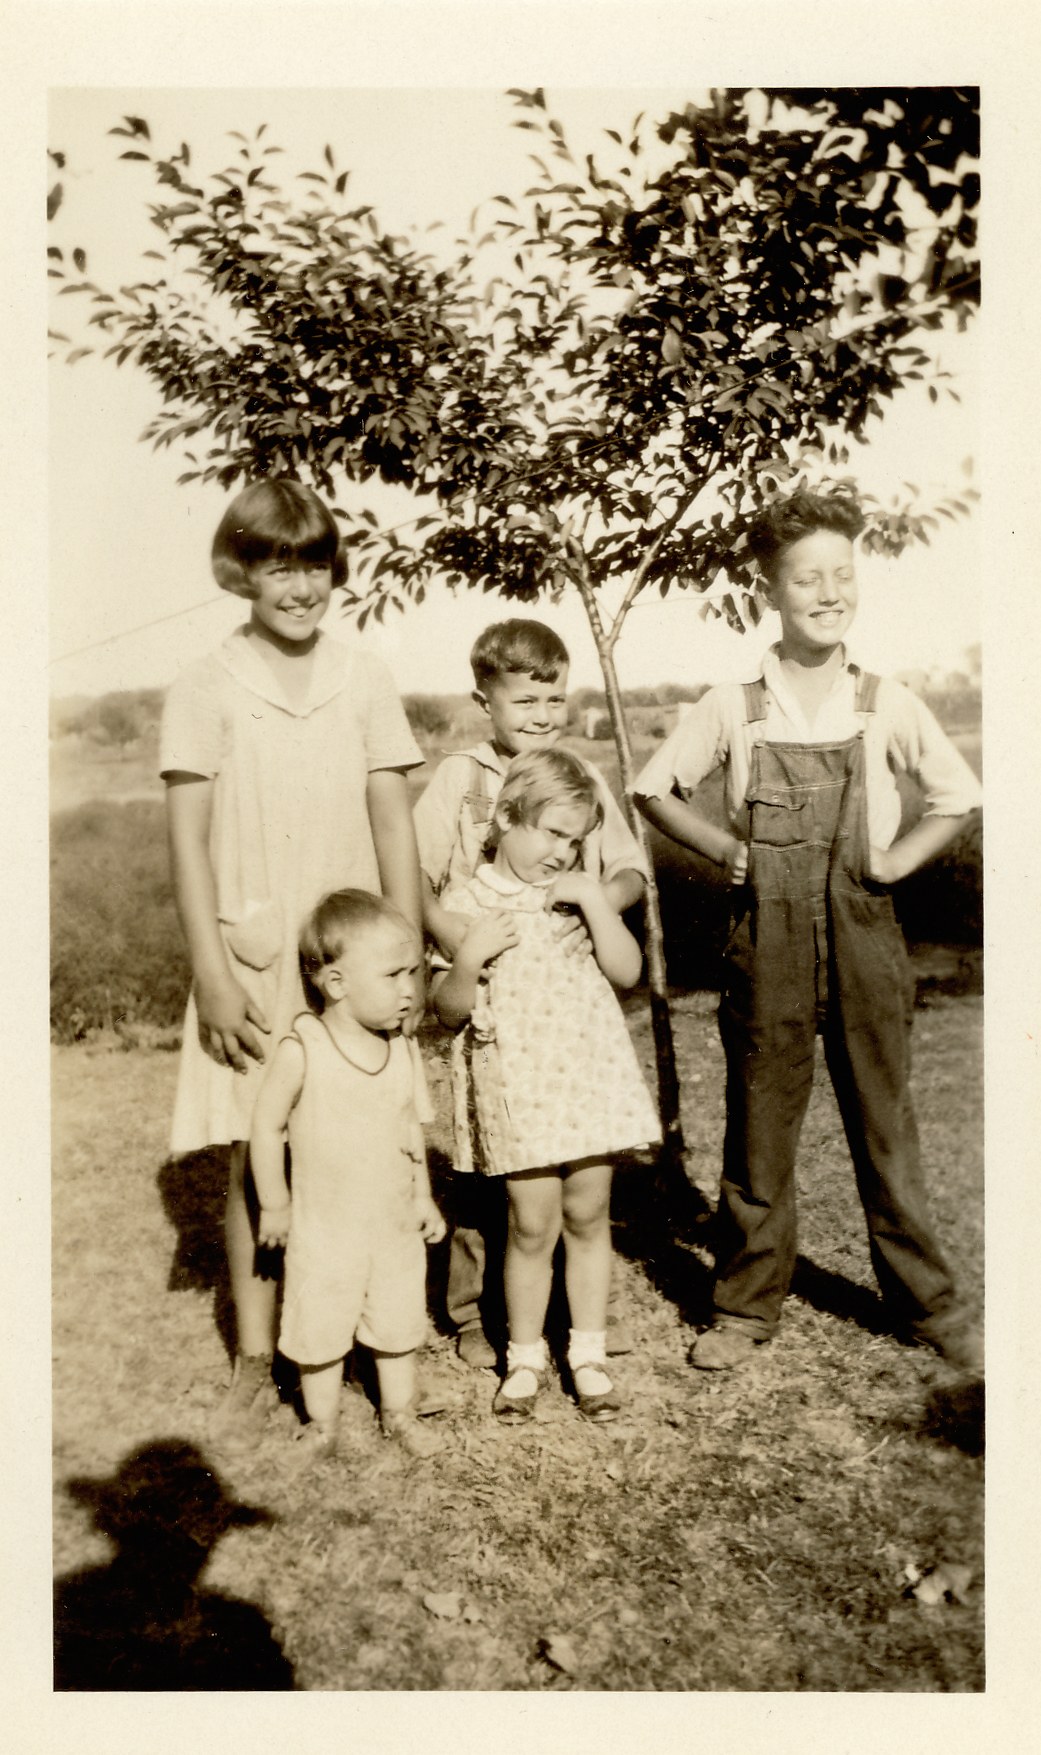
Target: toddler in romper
<point>546,1083</point>
<point>285,758</point>
<point>349,1090</point>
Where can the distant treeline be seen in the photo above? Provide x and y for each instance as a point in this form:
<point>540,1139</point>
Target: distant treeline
<point>122,718</point>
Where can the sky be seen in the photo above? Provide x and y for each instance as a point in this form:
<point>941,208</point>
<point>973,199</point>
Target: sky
<point>129,547</point>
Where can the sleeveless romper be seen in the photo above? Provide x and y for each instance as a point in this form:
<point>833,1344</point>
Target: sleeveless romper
<point>355,1261</point>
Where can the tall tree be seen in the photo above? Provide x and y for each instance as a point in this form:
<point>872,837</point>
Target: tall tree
<point>649,359</point>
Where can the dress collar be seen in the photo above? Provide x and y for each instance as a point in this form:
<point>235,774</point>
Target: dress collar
<point>331,671</point>
<point>503,883</point>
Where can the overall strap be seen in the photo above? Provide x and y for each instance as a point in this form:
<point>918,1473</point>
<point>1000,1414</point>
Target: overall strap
<point>755,718</point>
<point>866,692</point>
<point>478,784</point>
<point>755,701</point>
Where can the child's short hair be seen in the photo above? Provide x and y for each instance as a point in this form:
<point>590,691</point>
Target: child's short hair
<point>517,645</point>
<point>543,777</point>
<point>341,916</point>
<point>798,515</point>
<point>275,520</point>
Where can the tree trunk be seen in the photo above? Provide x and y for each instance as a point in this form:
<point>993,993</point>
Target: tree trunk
<point>661,1021</point>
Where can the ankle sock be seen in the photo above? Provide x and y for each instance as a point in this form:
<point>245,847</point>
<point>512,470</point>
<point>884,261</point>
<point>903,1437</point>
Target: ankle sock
<point>530,1354</point>
<point>587,1354</point>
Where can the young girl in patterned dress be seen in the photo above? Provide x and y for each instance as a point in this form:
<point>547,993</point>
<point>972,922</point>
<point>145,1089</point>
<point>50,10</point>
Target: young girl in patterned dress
<point>546,1083</point>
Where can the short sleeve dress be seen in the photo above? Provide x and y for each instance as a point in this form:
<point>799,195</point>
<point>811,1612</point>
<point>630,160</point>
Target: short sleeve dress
<point>290,822</point>
<point>544,1072</point>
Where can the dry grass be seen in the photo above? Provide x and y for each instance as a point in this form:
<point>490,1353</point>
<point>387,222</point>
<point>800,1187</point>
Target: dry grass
<point>749,1534</point>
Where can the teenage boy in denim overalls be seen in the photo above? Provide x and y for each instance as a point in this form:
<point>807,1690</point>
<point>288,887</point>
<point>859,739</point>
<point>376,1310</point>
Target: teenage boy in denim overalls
<point>810,752</point>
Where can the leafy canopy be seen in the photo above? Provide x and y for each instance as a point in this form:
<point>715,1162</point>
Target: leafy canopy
<point>647,360</point>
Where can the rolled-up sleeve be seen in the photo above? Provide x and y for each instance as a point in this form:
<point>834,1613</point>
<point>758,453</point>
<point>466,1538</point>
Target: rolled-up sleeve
<point>696,747</point>
<point>919,747</point>
<point>618,847</point>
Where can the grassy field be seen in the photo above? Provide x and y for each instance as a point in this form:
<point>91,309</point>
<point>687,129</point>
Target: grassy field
<point>781,1530</point>
<point>766,1532</point>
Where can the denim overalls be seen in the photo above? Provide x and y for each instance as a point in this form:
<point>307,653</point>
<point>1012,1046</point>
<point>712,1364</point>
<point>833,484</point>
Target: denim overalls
<point>815,947</point>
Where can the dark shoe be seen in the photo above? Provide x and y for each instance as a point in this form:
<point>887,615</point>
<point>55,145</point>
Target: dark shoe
<point>475,1349</point>
<point>513,1409</point>
<point>959,1340</point>
<point>600,1406</point>
<point>724,1346</point>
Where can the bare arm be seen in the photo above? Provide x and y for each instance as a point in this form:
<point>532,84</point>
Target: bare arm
<point>678,820</point>
<point>623,890</point>
<point>616,950</point>
<point>455,992</point>
<point>928,838</point>
<point>394,839</point>
<point>446,929</point>
<point>226,1013</point>
<point>283,1082</point>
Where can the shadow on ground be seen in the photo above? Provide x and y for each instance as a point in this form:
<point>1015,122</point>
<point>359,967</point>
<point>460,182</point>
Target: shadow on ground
<point>193,1190</point>
<point>143,1623</point>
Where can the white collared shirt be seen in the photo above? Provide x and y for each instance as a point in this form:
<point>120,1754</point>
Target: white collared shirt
<point>900,736</point>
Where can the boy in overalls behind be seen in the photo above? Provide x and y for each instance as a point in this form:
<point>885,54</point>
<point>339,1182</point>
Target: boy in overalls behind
<point>810,752</point>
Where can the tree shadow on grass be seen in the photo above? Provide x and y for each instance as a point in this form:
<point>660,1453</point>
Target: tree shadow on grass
<point>663,1223</point>
<point>143,1623</point>
<point>834,1295</point>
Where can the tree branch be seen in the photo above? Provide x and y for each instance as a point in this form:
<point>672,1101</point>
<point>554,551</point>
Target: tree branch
<point>639,577</point>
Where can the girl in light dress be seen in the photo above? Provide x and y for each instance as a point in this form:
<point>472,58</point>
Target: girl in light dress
<point>546,1083</point>
<point>285,757</point>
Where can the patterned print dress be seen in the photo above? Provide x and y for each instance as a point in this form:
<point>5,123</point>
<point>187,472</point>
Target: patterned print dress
<point>544,1072</point>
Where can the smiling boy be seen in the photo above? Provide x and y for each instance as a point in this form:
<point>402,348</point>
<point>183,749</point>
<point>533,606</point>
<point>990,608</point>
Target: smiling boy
<point>810,753</point>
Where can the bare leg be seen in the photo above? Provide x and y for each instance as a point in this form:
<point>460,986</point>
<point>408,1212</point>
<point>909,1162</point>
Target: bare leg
<point>587,1267</point>
<point>535,1221</point>
<point>321,1391</point>
<point>586,1195</point>
<point>254,1297</point>
<point>396,1376</point>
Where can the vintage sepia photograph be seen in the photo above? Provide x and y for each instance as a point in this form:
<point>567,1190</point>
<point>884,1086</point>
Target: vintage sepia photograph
<point>515,741</point>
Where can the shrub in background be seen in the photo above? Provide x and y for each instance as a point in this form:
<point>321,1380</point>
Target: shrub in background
<point>117,952</point>
<point>427,715</point>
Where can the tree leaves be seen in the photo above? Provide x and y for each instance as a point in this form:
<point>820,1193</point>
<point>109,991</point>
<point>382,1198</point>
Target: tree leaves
<point>648,341</point>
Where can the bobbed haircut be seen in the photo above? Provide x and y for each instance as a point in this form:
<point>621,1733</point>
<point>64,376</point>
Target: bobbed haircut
<point>275,520</point>
<point>340,918</point>
<point>798,515</point>
<point>543,777</point>
<point>517,645</point>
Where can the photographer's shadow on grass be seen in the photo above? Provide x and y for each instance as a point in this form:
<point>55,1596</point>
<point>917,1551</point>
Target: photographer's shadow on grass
<point>143,1622</point>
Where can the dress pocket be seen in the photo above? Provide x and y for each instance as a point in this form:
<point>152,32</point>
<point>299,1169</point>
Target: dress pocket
<point>776,818</point>
<point>256,937</point>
